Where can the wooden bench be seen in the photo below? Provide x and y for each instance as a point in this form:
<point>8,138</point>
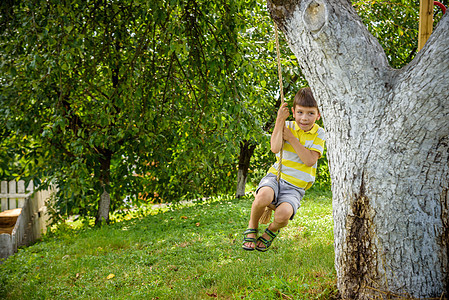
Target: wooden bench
<point>8,220</point>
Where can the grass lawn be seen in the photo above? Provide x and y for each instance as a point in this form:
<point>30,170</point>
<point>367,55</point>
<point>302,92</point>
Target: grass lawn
<point>185,252</point>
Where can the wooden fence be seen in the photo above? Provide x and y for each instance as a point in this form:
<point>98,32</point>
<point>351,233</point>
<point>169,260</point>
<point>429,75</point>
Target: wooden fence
<point>23,216</point>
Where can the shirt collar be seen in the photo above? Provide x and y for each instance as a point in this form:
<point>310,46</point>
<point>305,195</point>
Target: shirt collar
<point>312,131</point>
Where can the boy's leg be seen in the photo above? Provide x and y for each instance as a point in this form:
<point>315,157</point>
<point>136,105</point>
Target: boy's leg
<point>264,197</point>
<point>282,215</point>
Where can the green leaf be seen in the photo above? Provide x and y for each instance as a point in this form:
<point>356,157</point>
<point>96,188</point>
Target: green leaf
<point>13,71</point>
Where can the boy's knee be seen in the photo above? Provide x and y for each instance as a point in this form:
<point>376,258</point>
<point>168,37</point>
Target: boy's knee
<point>265,196</point>
<point>283,213</point>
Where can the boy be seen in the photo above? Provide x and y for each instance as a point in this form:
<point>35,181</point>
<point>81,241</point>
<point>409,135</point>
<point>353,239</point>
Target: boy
<point>304,145</point>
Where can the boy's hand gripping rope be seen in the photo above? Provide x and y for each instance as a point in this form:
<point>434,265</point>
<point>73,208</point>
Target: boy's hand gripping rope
<point>266,217</point>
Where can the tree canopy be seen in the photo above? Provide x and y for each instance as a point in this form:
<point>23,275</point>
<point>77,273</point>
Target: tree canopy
<point>148,100</point>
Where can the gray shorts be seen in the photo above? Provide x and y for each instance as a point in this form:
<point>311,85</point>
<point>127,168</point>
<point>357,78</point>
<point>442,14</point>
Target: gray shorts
<point>283,192</point>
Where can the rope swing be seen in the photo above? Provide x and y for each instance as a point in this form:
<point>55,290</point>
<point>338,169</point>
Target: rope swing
<point>266,216</point>
<point>281,87</point>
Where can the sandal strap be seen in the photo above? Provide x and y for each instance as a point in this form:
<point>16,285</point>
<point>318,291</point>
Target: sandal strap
<point>250,230</point>
<point>271,234</point>
<point>249,240</point>
<point>265,241</point>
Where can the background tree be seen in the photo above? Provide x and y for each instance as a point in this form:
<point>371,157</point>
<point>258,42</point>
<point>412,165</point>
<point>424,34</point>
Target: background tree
<point>170,92</point>
<point>388,149</point>
<point>122,98</point>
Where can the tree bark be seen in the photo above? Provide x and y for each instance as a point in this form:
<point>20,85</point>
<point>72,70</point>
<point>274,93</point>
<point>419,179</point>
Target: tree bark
<point>246,152</point>
<point>103,208</point>
<point>388,149</point>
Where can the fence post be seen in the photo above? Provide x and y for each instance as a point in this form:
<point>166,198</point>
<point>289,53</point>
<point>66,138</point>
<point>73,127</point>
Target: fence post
<point>425,26</point>
<point>12,190</point>
<point>4,190</point>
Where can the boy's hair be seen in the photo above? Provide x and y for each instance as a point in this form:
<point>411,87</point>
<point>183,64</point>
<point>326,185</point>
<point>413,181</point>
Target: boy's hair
<point>304,97</point>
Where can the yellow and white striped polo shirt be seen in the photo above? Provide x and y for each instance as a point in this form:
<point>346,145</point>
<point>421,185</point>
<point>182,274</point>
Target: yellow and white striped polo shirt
<point>294,170</point>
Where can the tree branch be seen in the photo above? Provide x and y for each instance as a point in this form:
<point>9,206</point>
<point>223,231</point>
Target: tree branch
<point>426,78</point>
<point>316,22</point>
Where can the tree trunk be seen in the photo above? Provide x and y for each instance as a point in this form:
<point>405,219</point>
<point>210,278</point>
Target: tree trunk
<point>388,149</point>
<point>103,208</point>
<point>246,152</point>
<point>104,205</point>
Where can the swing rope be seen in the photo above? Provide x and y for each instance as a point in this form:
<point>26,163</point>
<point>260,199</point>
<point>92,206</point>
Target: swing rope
<point>266,216</point>
<point>281,86</point>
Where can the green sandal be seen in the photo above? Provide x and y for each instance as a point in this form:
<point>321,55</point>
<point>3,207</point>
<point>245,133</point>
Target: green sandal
<point>266,242</point>
<point>247,239</point>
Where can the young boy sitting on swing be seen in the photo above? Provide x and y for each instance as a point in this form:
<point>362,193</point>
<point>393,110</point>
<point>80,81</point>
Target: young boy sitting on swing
<point>303,146</point>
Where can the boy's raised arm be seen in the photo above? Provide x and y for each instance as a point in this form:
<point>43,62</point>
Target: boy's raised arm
<point>308,157</point>
<point>276,136</point>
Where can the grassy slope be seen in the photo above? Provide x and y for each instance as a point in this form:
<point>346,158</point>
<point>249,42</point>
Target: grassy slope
<point>186,253</point>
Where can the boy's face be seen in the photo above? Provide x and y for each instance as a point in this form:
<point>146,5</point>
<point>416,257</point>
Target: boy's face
<point>305,117</point>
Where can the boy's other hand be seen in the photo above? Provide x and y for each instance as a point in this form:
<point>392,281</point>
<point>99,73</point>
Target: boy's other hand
<point>283,112</point>
<point>288,135</point>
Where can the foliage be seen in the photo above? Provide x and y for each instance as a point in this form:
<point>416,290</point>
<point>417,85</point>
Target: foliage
<point>323,178</point>
<point>146,100</point>
<point>189,252</point>
<point>7,155</point>
<point>103,92</point>
<point>395,24</point>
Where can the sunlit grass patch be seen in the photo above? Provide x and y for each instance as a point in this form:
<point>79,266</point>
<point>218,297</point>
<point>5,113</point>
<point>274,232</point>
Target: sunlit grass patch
<point>192,251</point>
